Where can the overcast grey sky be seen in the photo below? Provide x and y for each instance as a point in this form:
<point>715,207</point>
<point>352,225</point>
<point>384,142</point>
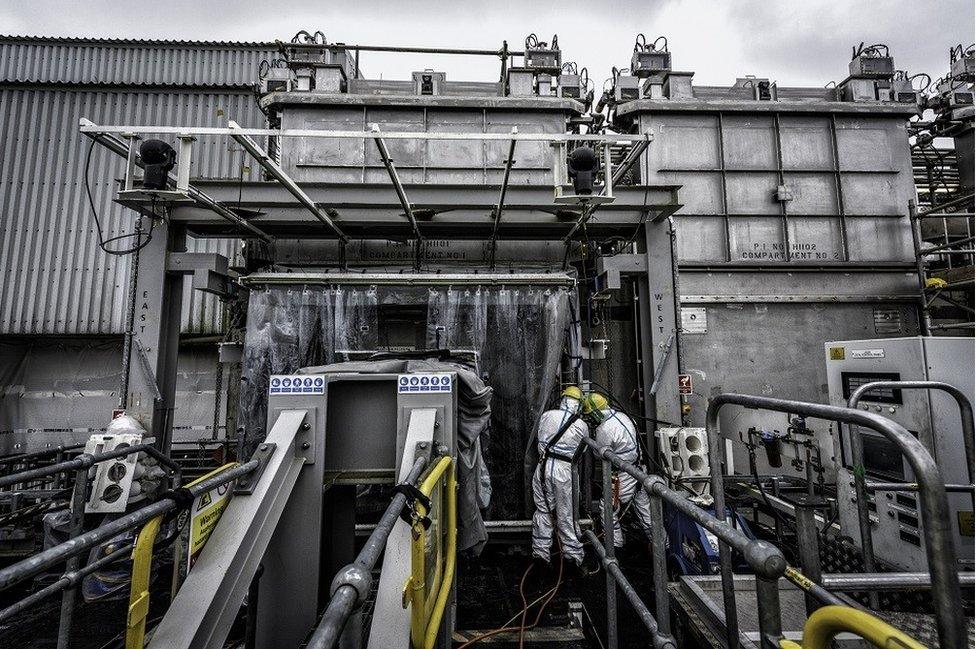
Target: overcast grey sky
<point>795,42</point>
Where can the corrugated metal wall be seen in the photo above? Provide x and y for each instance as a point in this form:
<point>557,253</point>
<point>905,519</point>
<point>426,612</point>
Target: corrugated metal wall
<point>55,279</point>
<point>138,63</point>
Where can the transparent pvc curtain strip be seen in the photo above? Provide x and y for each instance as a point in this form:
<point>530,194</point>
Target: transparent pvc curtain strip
<point>516,333</point>
<point>293,327</point>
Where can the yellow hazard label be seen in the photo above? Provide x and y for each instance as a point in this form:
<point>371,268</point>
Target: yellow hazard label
<point>207,510</point>
<point>799,578</point>
<point>836,353</point>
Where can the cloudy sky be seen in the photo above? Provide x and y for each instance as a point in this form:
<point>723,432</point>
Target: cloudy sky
<point>795,42</point>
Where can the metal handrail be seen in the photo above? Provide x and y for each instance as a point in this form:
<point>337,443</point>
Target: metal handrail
<point>857,459</point>
<point>31,566</point>
<point>86,461</point>
<point>659,640</point>
<point>939,545</point>
<point>765,559</point>
<point>352,584</point>
<point>142,556</point>
<point>829,621</point>
<point>423,625</point>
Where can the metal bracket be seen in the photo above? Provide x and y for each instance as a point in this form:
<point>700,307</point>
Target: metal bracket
<point>209,270</point>
<point>610,269</point>
<point>659,370</point>
<point>147,370</point>
<point>245,487</point>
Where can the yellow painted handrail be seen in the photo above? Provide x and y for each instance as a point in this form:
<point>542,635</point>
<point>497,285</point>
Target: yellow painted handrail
<point>424,625</point>
<point>828,621</point>
<point>142,555</point>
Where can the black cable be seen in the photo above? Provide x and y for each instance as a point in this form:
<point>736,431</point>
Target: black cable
<point>102,241</point>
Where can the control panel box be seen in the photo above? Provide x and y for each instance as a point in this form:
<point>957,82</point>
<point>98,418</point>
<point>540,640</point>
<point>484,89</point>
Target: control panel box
<point>930,415</point>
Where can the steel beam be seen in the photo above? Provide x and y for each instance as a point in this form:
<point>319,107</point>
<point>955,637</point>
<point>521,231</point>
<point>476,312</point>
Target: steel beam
<point>501,195</point>
<point>397,185</point>
<point>279,174</point>
<point>208,601</point>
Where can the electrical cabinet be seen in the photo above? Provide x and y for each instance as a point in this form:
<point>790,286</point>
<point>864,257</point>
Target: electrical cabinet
<point>930,415</point>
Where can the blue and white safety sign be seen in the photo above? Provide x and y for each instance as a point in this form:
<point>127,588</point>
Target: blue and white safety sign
<point>296,384</point>
<point>424,383</point>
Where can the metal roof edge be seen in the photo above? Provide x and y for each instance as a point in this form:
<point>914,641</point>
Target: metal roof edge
<point>79,40</point>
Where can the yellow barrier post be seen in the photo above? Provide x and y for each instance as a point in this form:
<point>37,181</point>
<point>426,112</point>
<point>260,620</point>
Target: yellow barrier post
<point>142,555</point>
<point>423,623</point>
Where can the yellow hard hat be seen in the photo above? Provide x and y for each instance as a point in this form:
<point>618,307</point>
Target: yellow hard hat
<point>594,402</point>
<point>573,392</point>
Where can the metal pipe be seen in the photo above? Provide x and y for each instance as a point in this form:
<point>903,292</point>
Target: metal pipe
<point>608,552</point>
<point>501,196</point>
<point>352,583</point>
<point>84,461</point>
<point>660,638</point>
<point>632,157</point>
<point>812,588</point>
<point>914,486</point>
<point>962,200</point>
<point>763,557</point>
<point>76,527</point>
<point>887,581</point>
<point>395,179</point>
<point>769,613</point>
<point>939,544</point>
<point>662,601</point>
<point>279,174</point>
<point>67,579</point>
<point>808,546</point>
<point>408,279</point>
<point>42,561</point>
<point>23,457</point>
<point>402,50</point>
<point>961,325</point>
<point>99,131</point>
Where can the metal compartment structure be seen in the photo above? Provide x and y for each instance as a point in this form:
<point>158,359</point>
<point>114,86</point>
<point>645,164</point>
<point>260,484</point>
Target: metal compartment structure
<point>794,227</point>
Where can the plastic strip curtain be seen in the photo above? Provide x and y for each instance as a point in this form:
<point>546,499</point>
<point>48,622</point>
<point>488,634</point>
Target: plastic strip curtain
<point>293,327</point>
<point>515,334</point>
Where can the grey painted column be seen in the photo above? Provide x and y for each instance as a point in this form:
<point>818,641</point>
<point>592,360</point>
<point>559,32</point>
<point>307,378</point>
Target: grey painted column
<point>159,300</point>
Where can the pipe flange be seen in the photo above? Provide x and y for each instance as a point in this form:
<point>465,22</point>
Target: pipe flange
<point>356,576</point>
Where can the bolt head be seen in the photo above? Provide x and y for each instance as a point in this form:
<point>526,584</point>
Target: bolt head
<point>263,447</point>
<point>306,446</point>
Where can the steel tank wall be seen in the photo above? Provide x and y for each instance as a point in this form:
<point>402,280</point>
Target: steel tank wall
<point>764,282</point>
<point>427,161</point>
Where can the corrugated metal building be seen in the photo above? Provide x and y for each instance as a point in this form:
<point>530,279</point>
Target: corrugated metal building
<point>56,280</point>
<point>62,299</point>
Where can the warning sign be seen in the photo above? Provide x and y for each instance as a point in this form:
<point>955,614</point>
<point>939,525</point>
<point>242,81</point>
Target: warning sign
<point>196,525</point>
<point>685,385</point>
<point>204,514</point>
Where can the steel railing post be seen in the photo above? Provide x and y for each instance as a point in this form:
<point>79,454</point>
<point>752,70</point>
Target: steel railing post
<point>770,620</point>
<point>608,534</point>
<point>76,527</point>
<point>662,604</point>
<point>716,464</point>
<point>808,540</point>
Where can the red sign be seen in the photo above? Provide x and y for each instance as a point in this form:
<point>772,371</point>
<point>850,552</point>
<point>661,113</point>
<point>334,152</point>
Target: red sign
<point>684,384</point>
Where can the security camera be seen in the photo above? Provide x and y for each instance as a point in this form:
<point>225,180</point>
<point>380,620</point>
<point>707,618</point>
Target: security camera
<point>158,158</point>
<point>583,165</point>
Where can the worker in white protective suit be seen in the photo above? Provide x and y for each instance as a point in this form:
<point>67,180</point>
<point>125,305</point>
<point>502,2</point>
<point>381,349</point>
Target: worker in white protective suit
<point>560,434</point>
<point>617,431</point>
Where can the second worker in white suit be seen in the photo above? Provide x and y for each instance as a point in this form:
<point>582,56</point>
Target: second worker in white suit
<point>561,431</point>
<point>617,431</point>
